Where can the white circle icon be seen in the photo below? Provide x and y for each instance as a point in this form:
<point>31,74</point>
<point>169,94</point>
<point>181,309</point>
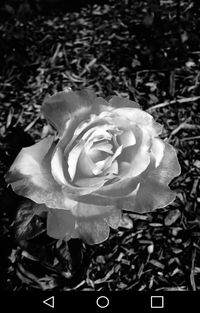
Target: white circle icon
<point>102,302</point>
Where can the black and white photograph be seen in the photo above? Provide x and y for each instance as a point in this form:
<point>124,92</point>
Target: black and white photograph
<point>99,151</point>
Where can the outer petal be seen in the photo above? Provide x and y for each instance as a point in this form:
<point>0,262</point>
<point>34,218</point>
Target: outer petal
<point>83,210</point>
<point>114,217</point>
<point>30,176</point>
<point>157,150</point>
<point>92,222</point>
<point>141,118</point>
<point>93,230</point>
<point>168,168</point>
<point>60,224</point>
<point>154,192</point>
<point>119,102</point>
<point>152,195</point>
<point>29,159</point>
<point>148,197</point>
<point>58,108</point>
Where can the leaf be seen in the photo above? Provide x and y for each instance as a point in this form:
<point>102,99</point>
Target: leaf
<point>29,223</point>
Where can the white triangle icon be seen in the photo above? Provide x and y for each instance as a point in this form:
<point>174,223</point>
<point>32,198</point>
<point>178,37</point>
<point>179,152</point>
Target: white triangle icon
<point>49,302</point>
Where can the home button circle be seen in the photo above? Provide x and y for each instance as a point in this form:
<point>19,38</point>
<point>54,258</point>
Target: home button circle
<point>102,302</point>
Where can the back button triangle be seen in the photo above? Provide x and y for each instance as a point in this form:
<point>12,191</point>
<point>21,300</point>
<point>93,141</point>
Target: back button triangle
<point>49,302</point>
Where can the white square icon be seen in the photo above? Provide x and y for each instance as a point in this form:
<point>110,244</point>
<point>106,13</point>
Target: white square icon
<point>157,302</point>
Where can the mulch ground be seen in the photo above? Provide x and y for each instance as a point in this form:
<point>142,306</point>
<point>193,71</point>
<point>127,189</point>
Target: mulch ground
<point>120,49</point>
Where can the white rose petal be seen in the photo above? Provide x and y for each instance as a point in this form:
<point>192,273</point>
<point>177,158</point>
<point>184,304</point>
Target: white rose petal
<point>127,139</point>
<point>73,159</point>
<point>158,150</point>
<point>57,168</point>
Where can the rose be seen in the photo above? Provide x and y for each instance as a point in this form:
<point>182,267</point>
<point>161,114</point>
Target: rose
<point>108,157</point>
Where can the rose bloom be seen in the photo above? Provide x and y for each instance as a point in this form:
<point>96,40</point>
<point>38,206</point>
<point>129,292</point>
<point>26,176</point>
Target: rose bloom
<point>108,157</point>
